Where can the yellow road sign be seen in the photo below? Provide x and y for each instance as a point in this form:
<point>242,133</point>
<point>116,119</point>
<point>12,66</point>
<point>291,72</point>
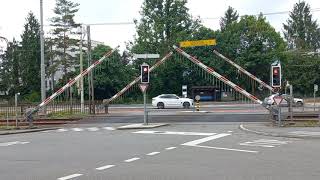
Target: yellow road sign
<point>208,42</point>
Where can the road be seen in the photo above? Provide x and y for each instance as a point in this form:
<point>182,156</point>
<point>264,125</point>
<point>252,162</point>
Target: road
<point>193,147</point>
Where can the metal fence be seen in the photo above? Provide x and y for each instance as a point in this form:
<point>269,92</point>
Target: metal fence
<point>52,109</point>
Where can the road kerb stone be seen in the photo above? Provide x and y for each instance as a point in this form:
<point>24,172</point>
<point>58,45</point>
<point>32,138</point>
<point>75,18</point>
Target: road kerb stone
<point>142,126</point>
<point>243,128</point>
<point>27,131</point>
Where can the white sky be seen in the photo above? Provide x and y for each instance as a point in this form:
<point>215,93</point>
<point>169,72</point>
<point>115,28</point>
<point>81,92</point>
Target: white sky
<point>14,12</point>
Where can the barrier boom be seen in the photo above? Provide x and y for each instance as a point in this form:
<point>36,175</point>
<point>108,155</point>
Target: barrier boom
<point>107,101</point>
<point>72,81</point>
<point>244,71</point>
<point>217,75</point>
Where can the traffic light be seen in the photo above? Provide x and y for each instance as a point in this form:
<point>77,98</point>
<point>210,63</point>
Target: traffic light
<point>276,76</point>
<point>144,73</point>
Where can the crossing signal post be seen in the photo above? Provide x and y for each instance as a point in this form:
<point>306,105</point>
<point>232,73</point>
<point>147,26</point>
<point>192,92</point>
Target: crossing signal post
<point>276,76</point>
<point>143,86</point>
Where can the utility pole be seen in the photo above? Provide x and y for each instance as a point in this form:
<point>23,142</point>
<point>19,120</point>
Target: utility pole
<point>81,69</point>
<point>90,79</point>
<point>42,67</point>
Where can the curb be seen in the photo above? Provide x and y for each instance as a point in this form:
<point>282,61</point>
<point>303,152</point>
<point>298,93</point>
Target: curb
<point>141,126</point>
<point>29,131</point>
<point>241,127</point>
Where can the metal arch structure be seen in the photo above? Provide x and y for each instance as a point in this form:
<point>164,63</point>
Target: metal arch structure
<point>70,83</point>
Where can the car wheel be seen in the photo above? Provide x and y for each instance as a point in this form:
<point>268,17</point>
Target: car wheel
<point>299,103</point>
<point>160,105</point>
<point>186,105</point>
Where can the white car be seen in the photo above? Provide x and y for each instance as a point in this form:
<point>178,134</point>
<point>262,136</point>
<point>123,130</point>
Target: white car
<point>296,101</point>
<point>171,101</point>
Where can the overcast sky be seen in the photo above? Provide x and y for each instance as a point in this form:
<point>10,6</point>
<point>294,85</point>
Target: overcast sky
<point>13,14</point>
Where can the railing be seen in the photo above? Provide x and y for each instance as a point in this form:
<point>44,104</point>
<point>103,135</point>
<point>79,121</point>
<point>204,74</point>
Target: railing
<point>52,109</point>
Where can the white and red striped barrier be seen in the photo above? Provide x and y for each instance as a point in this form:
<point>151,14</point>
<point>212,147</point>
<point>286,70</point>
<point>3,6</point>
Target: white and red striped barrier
<point>107,101</point>
<point>217,75</point>
<point>72,81</point>
<point>244,71</point>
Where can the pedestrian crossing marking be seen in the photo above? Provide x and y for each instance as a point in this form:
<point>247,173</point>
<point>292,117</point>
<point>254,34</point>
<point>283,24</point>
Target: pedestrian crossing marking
<point>269,143</point>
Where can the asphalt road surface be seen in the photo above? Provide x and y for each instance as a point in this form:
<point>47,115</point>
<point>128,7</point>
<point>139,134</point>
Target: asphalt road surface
<point>183,150</point>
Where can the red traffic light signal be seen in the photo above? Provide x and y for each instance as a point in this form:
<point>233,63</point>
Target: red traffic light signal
<point>276,76</point>
<point>144,73</point>
<point>276,71</point>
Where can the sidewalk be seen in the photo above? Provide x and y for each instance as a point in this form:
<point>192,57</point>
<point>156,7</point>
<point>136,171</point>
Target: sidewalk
<point>291,132</point>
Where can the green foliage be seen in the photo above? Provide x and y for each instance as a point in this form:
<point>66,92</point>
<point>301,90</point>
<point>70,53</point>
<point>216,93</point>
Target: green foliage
<point>66,114</point>
<point>33,96</point>
<point>11,69</point>
<point>163,24</point>
<point>230,16</point>
<point>303,36</point>
<point>301,31</point>
<point>112,75</point>
<point>64,31</point>
<point>30,56</point>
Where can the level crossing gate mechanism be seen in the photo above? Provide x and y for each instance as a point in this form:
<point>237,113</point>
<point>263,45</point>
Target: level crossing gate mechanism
<point>70,83</point>
<point>208,70</point>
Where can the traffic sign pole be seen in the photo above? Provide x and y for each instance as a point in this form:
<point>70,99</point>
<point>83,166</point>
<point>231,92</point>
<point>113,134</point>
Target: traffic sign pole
<point>278,100</point>
<point>315,89</point>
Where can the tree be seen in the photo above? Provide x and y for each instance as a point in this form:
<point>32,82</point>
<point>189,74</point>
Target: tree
<point>11,69</point>
<point>230,16</point>
<point>301,31</point>
<point>163,23</point>
<point>30,56</point>
<point>302,35</point>
<point>64,32</point>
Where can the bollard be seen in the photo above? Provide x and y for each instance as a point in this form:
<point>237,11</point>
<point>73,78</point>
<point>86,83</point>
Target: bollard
<point>106,108</point>
<point>197,106</point>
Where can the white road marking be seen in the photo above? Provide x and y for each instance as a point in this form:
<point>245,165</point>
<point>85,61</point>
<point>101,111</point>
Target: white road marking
<point>77,129</point>
<point>13,143</point>
<point>230,131</point>
<point>93,129</point>
<point>105,167</point>
<point>199,141</point>
<point>132,159</point>
<point>153,153</point>
<point>270,143</point>
<point>62,130</point>
<point>170,148</point>
<point>70,176</point>
<point>175,133</point>
<point>305,133</point>
<point>228,149</point>
<point>109,128</point>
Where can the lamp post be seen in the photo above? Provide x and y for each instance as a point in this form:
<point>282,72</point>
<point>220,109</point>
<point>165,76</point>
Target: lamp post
<point>42,66</point>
